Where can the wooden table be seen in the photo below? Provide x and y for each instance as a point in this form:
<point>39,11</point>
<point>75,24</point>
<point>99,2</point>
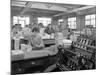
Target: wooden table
<point>33,61</point>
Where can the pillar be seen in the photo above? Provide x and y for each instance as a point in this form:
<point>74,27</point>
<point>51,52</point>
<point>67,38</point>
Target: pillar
<point>54,21</point>
<point>80,22</point>
<point>33,19</point>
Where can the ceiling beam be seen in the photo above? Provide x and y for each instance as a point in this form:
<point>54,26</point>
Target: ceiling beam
<point>47,6</point>
<point>43,6</point>
<point>27,6</point>
<point>75,10</point>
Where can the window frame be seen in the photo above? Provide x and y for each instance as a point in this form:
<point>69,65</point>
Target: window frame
<point>60,21</point>
<point>45,21</point>
<point>70,21</point>
<point>18,19</point>
<point>90,20</point>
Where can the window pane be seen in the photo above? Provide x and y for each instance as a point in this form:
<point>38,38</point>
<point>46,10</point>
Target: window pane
<point>87,22</point>
<point>69,26</point>
<point>15,22</point>
<point>72,23</point>
<point>69,19</point>
<point>74,26</point>
<point>45,21</point>
<point>48,22</point>
<point>15,17</point>
<point>93,16</point>
<point>61,20</point>
<point>68,23</point>
<point>90,20</point>
<point>88,17</point>
<point>27,20</point>
<point>21,18</point>
<point>22,23</point>
<point>93,22</point>
<point>73,19</point>
<point>40,21</point>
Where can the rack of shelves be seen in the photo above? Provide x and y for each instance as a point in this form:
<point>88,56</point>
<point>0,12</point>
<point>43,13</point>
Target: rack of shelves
<point>85,44</point>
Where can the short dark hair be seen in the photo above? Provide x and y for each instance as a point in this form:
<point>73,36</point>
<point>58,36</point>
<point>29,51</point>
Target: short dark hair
<point>35,29</point>
<point>40,24</point>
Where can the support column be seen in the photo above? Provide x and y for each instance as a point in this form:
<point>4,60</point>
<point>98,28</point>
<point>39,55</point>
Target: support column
<point>54,24</point>
<point>11,21</point>
<point>33,19</point>
<point>54,21</point>
<point>80,22</point>
<point>65,23</point>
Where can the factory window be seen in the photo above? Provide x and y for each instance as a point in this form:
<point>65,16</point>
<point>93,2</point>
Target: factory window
<point>72,23</point>
<point>21,20</point>
<point>90,20</point>
<point>44,21</point>
<point>60,21</point>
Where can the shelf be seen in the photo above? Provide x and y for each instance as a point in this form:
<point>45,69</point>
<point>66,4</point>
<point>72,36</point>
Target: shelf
<point>91,46</point>
<point>85,50</point>
<point>86,45</point>
<point>70,51</point>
